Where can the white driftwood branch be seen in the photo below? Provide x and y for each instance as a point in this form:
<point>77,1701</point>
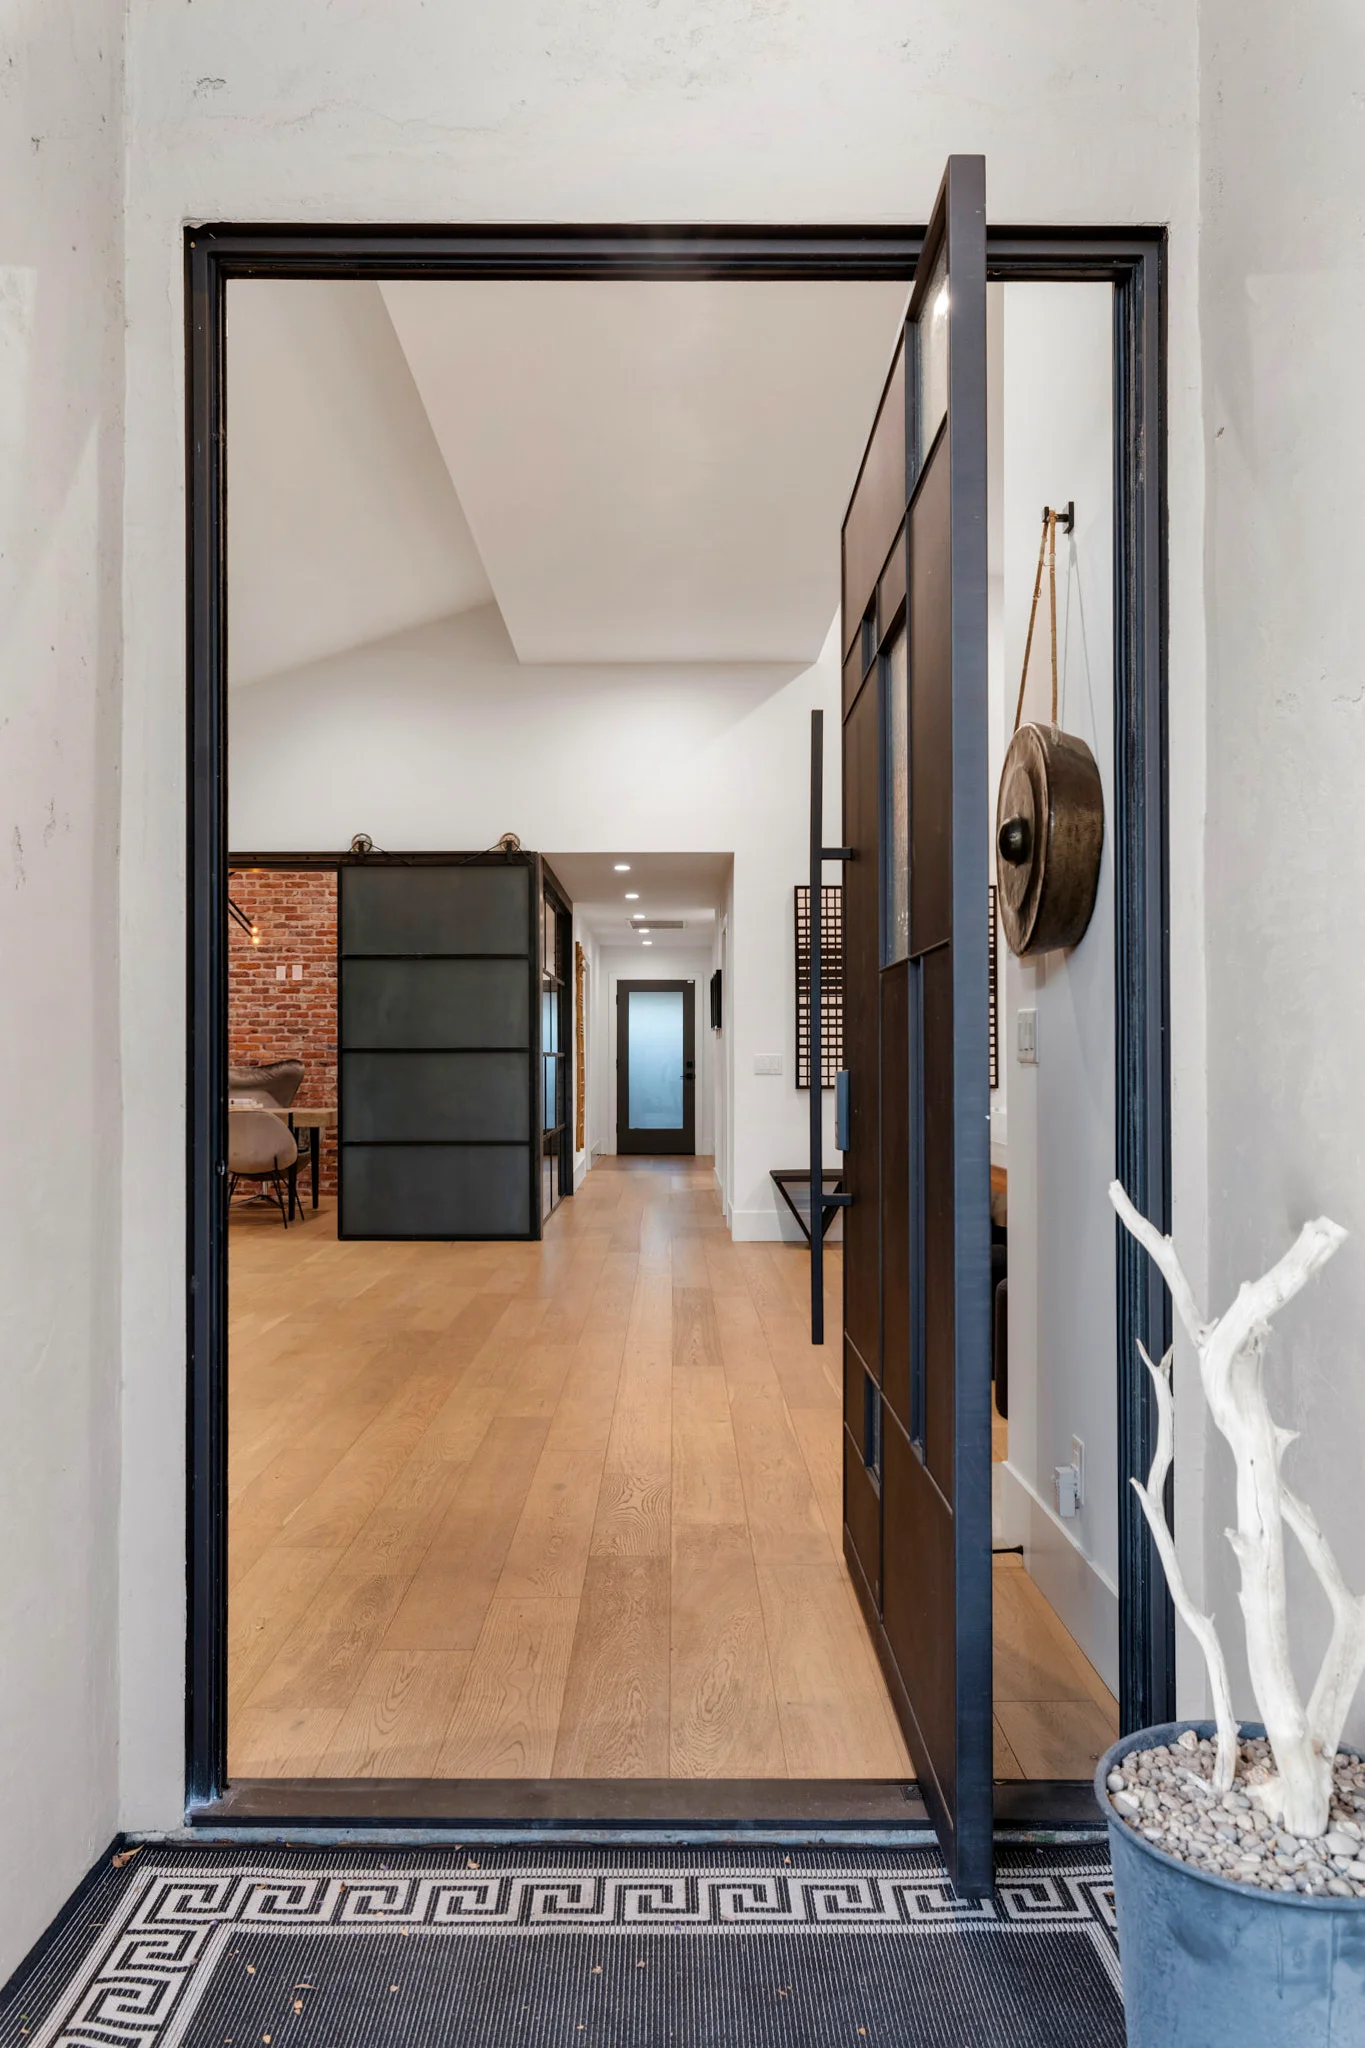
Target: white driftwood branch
<point>1163,1255</point>
<point>1200,1625</point>
<point>1231,1351</point>
<point>1344,1664</point>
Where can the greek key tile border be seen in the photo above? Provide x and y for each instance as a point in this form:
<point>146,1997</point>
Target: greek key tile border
<point>140,1985</point>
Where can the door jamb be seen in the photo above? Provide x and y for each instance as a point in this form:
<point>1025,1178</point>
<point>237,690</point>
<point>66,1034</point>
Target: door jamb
<point>1133,260</point>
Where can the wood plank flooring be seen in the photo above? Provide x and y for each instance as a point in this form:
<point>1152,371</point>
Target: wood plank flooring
<point>564,1509</point>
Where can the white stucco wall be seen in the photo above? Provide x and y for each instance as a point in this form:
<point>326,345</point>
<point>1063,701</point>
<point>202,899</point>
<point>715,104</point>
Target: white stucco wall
<point>239,109</point>
<point>61,461</point>
<point>1282,296</point>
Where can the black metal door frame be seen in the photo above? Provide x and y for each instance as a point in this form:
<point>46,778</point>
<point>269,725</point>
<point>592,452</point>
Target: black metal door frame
<point>627,1140</point>
<point>1133,261</point>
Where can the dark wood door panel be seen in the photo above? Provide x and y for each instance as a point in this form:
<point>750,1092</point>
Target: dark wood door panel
<point>863,1518</point>
<point>895,1186</point>
<point>861,1160</point>
<point>918,1604</point>
<point>878,502</point>
<point>934,1411</point>
<point>931,708</point>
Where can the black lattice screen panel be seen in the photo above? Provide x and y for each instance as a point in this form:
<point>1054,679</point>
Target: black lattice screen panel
<point>831,984</point>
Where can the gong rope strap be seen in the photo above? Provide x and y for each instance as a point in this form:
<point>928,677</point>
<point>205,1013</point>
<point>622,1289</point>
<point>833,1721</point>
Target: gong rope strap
<point>1047,558</point>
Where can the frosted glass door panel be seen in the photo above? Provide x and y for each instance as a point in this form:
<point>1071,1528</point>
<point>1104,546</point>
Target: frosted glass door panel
<point>655,1024</point>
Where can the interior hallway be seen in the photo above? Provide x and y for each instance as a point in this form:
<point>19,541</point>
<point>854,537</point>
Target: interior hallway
<point>565,1509</point>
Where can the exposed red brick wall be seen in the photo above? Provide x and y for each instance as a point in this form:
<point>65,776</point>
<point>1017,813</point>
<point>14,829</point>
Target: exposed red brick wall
<point>295,912</point>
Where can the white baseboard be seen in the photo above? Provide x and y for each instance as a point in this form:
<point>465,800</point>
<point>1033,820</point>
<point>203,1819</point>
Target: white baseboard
<point>1079,1591</point>
<point>764,1226</point>
<point>580,1172</point>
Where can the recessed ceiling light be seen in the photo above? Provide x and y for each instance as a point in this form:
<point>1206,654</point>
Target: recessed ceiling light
<point>632,895</point>
<point>623,867</point>
<point>643,930</point>
<point>649,942</point>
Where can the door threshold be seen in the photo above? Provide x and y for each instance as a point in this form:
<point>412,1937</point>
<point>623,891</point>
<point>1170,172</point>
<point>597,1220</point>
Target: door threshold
<point>655,1810</point>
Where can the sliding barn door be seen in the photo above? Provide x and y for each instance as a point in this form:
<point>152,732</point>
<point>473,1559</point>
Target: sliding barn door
<point>438,1044</point>
<point>917,1480</point>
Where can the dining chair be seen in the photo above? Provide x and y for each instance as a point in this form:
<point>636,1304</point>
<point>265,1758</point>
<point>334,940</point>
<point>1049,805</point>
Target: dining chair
<point>261,1147</point>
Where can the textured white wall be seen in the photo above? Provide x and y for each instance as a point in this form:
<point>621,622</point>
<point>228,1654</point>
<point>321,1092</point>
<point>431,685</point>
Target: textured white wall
<point>1283,310</point>
<point>692,109</point>
<point>60,482</point>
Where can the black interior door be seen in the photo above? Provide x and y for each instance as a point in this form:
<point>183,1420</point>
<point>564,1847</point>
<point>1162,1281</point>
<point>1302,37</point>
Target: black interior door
<point>656,1068</point>
<point>917,1477</point>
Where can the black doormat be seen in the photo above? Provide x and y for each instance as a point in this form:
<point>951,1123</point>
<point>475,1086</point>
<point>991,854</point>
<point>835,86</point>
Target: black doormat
<point>190,1947</point>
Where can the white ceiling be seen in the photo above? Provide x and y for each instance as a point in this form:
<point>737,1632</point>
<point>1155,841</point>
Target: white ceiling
<point>691,886</point>
<point>653,471</point>
<point>634,472</point>
<point>343,523</point>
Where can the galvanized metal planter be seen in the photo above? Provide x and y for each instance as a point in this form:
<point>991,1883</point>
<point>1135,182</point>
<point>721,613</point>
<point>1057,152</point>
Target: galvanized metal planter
<point>1209,1963</point>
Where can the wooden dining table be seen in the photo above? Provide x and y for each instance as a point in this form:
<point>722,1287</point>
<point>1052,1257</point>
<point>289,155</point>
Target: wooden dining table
<point>300,1116</point>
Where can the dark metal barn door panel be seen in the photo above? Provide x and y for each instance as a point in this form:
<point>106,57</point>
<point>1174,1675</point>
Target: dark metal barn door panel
<point>430,1097</point>
<point>464,909</point>
<point>438,1049</point>
<point>394,1004</point>
<point>922,1074</point>
<point>437,1191</point>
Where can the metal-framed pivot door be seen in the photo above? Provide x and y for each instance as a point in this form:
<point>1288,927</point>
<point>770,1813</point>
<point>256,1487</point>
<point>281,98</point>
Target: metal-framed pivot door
<point>917,1262</point>
<point>656,1066</point>
<point>1132,258</point>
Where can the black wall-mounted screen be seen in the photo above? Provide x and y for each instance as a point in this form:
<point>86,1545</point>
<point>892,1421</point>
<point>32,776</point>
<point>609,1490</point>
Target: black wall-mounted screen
<point>438,1044</point>
<point>716,1006</point>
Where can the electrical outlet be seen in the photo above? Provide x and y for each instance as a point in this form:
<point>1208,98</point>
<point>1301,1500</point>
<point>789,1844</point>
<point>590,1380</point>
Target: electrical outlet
<point>1026,1029</point>
<point>767,1063</point>
<point>1068,1482</point>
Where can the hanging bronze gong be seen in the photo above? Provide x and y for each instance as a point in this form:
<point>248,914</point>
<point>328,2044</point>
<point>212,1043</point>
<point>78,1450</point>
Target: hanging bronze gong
<point>1049,832</point>
<point>1049,816</point>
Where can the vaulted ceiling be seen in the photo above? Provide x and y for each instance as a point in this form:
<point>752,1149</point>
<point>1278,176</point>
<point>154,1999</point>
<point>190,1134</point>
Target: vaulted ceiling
<point>633,472</point>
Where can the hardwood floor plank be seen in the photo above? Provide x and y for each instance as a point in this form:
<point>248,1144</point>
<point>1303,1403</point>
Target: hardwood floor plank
<point>785,1523</point>
<point>397,1720</point>
<point>507,1719</point>
<point>696,1338</point>
<point>263,1610</point>
<point>324,1656</point>
<point>549,1550</point>
<point>706,1483</point>
<point>723,1720</point>
<point>445,1602</point>
<point>1056,1738</point>
<point>831,1700</point>
<point>1035,1658</point>
<point>281,1742</point>
<point>614,1719</point>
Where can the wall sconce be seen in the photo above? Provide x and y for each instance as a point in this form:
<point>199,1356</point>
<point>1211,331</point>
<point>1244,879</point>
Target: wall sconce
<point>239,916</point>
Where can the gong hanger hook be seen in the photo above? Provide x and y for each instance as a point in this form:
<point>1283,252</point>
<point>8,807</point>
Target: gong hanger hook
<point>1066,520</point>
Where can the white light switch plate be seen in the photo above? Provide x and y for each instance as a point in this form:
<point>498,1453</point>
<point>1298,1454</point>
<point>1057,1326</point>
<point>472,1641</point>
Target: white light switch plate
<point>1026,1026</point>
<point>767,1063</point>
